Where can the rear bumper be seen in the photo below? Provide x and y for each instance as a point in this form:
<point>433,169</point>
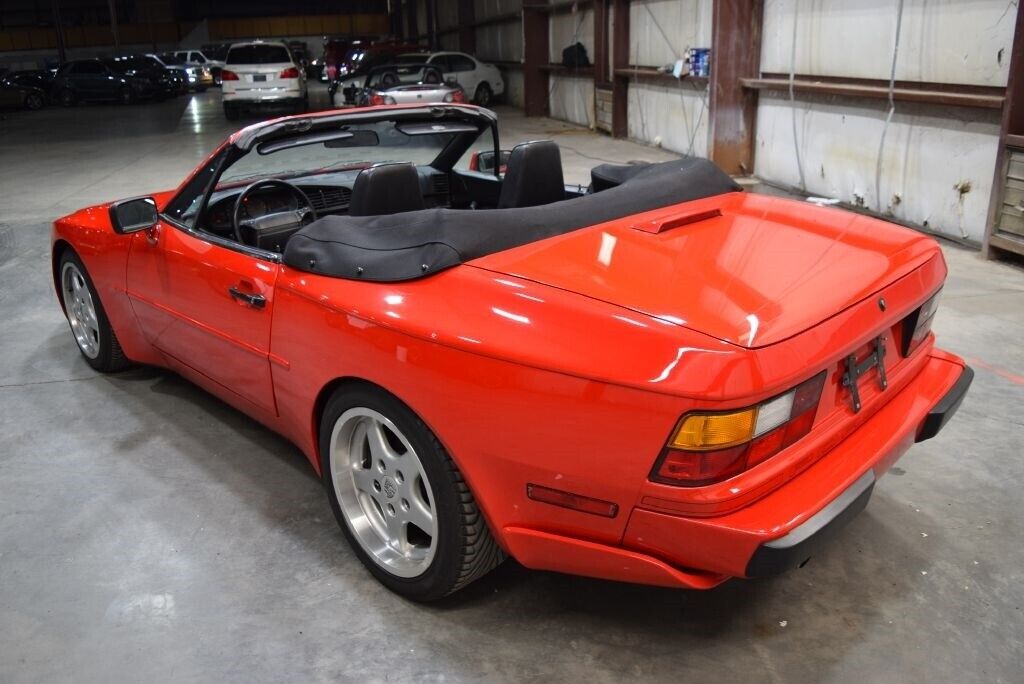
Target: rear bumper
<point>267,96</point>
<point>778,531</point>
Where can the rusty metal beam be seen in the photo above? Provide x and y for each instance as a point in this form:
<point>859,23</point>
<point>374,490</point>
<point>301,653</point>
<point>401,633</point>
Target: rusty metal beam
<point>620,62</point>
<point>735,55</point>
<point>535,59</point>
<point>601,76</point>
<point>1011,134</point>
<point>467,26</point>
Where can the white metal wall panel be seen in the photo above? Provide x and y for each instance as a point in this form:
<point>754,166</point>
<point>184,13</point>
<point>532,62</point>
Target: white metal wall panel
<point>566,28</point>
<point>674,117</point>
<point>936,168</point>
<point>662,30</point>
<point>572,99</point>
<point>943,41</point>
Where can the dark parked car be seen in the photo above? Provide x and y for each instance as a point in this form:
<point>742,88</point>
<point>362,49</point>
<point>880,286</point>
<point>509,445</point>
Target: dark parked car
<point>14,96</point>
<point>32,78</point>
<point>161,83</point>
<point>98,80</point>
<point>168,82</point>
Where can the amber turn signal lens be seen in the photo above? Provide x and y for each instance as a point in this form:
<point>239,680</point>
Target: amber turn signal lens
<point>706,431</point>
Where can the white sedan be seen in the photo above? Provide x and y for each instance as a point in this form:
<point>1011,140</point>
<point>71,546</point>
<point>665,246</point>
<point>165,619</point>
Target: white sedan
<point>481,81</point>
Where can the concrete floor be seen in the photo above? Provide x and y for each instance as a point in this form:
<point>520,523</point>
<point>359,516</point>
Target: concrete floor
<point>149,532</point>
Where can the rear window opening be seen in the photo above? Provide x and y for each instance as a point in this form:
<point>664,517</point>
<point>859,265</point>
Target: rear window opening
<point>258,54</point>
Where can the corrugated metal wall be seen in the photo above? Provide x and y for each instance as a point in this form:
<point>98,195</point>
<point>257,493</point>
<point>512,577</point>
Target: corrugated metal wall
<point>937,162</point>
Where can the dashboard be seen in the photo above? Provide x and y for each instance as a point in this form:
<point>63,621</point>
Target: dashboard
<point>270,201</point>
<point>325,198</point>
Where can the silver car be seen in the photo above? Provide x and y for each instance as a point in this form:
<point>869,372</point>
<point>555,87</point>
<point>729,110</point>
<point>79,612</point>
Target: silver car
<point>407,84</point>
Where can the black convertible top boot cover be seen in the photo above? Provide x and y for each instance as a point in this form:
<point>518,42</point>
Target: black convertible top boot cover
<point>417,244</point>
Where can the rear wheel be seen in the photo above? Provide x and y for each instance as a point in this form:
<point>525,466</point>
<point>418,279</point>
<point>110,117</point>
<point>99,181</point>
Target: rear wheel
<point>34,101</point>
<point>125,96</point>
<point>230,111</point>
<point>484,95</point>
<point>89,324</point>
<point>66,97</point>
<point>399,498</point>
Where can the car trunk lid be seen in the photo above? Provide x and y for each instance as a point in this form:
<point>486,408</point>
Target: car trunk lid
<point>747,269</point>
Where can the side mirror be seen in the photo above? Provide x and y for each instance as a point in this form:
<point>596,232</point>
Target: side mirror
<point>133,215</point>
<point>485,161</point>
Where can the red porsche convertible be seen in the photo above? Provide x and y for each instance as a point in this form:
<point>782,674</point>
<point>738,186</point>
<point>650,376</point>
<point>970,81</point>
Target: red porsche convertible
<point>657,379</point>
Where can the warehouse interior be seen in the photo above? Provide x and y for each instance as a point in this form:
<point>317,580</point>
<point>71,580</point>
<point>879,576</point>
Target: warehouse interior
<point>149,529</point>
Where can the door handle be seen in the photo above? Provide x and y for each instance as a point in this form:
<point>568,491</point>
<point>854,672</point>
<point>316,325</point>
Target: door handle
<point>256,301</point>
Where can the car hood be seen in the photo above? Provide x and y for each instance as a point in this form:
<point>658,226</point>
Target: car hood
<point>748,269</point>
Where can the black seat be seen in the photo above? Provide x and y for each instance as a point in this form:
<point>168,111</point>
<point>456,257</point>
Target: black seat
<point>386,189</point>
<point>533,176</point>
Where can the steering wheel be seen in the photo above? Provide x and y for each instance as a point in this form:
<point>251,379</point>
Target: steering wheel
<point>301,216</point>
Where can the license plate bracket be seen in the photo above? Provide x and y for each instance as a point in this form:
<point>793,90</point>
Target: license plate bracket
<point>257,78</point>
<point>855,369</point>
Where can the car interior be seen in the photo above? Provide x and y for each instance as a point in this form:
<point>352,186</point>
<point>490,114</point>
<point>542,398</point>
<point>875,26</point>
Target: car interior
<point>266,212</point>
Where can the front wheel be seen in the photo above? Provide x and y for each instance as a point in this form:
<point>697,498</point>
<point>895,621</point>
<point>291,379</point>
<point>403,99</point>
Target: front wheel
<point>66,97</point>
<point>399,498</point>
<point>89,323</point>
<point>125,96</point>
<point>34,101</point>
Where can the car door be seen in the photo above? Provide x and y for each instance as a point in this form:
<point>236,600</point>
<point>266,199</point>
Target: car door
<point>465,72</point>
<point>441,62</point>
<point>207,307</point>
<point>83,78</point>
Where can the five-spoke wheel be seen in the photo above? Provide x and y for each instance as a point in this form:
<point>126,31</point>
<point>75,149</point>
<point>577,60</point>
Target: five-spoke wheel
<point>399,497</point>
<point>81,310</point>
<point>89,324</point>
<point>384,493</point>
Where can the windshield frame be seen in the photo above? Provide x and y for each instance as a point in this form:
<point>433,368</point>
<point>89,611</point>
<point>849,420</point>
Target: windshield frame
<point>247,140</point>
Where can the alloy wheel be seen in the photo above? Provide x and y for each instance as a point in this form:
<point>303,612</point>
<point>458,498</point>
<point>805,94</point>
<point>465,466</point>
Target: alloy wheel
<point>81,310</point>
<point>383,492</point>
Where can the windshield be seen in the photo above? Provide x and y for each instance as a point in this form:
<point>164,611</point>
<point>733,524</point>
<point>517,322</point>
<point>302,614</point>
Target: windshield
<point>170,59</point>
<point>357,146</point>
<point>258,54</point>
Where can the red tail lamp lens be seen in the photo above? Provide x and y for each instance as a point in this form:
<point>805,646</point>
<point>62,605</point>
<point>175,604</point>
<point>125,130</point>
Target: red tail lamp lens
<point>576,502</point>
<point>777,423</point>
<point>917,325</point>
<point>376,99</point>
<point>290,72</point>
<point>226,75</point>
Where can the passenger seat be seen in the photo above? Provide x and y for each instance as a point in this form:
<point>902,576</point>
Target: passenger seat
<point>386,189</point>
<point>533,176</point>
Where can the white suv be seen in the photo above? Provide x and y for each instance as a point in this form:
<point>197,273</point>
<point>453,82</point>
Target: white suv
<point>259,73</point>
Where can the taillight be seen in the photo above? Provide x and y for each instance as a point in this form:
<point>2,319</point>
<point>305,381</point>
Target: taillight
<point>226,75</point>
<point>455,96</point>
<point>917,325</point>
<point>709,447</point>
<point>290,72</point>
<point>376,99</point>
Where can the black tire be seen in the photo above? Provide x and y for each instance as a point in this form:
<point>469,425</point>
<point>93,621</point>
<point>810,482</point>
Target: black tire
<point>110,358</point>
<point>465,550</point>
<point>230,112</point>
<point>125,96</point>
<point>484,95</point>
<point>303,105</point>
<point>67,98</point>
<point>34,101</point>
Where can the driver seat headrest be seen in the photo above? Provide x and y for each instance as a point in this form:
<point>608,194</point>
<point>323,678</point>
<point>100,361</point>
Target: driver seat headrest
<point>533,176</point>
<point>389,188</point>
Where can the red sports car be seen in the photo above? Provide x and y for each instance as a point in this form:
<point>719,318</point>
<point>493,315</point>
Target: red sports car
<point>659,379</point>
